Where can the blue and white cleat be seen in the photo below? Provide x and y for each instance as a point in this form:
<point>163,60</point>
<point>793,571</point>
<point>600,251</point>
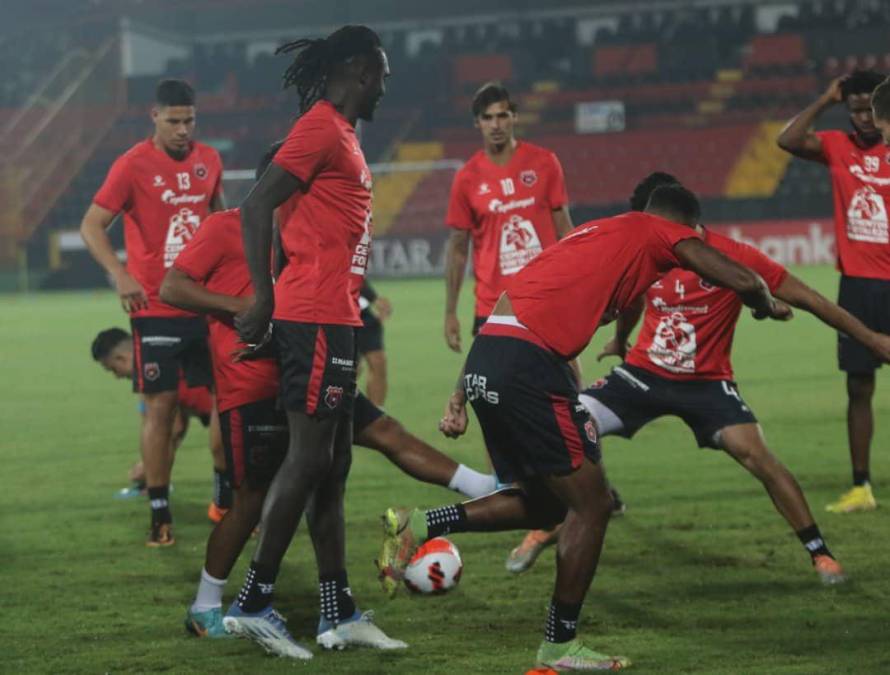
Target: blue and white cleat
<point>357,631</point>
<point>207,624</point>
<point>267,628</point>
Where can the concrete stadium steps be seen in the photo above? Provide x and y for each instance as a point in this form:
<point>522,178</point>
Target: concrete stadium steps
<point>761,165</point>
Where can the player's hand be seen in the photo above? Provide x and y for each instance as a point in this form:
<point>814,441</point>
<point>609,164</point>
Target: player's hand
<point>253,323</point>
<point>452,332</point>
<point>454,423</point>
<point>833,94</point>
<point>239,304</point>
<point>130,291</point>
<point>383,308</point>
<point>613,348</point>
<point>881,347</point>
<point>777,311</point>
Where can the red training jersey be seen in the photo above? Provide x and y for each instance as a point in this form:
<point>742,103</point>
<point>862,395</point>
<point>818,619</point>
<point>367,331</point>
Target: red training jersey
<point>860,179</point>
<point>215,259</point>
<point>164,201</point>
<point>326,232</point>
<point>594,272</point>
<point>689,324</point>
<point>197,400</point>
<point>508,211</point>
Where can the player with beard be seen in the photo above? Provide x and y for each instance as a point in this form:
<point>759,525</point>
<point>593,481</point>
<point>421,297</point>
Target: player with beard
<point>860,178</point>
<point>165,186</point>
<point>525,396</point>
<point>320,180</point>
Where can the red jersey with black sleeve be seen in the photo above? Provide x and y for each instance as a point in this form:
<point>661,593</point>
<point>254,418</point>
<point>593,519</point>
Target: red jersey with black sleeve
<point>326,231</point>
<point>508,211</point>
<point>860,180</point>
<point>163,201</point>
<point>689,324</point>
<point>215,259</point>
<point>595,272</point>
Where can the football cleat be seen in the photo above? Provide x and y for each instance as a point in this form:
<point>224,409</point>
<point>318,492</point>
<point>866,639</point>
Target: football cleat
<point>216,513</point>
<point>829,569</point>
<point>207,624</point>
<point>268,629</point>
<point>619,508</point>
<point>399,543</point>
<point>161,535</point>
<point>571,656</point>
<point>859,498</point>
<point>523,556</point>
<point>357,631</point>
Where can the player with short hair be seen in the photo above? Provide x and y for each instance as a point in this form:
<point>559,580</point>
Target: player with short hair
<point>509,198</point>
<point>165,186</point>
<point>321,180</point>
<point>112,348</point>
<point>860,178</point>
<point>680,365</point>
<point>375,310</point>
<point>525,396</point>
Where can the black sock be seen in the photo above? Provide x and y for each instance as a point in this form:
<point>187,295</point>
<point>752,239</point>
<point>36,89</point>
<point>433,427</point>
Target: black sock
<point>336,598</point>
<point>222,490</point>
<point>562,621</point>
<point>812,540</point>
<point>861,477</point>
<point>259,585</point>
<point>446,519</point>
<point>158,498</point>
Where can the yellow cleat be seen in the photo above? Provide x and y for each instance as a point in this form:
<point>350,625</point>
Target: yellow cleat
<point>859,498</point>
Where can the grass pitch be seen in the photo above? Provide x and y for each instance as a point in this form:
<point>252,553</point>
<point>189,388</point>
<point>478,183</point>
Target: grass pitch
<point>700,576</point>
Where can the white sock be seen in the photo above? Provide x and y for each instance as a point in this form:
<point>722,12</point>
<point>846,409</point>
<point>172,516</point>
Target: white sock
<point>471,483</point>
<point>210,592</point>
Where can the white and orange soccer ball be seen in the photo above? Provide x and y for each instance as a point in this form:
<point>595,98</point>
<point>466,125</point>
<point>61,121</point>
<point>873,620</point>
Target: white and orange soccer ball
<point>435,568</point>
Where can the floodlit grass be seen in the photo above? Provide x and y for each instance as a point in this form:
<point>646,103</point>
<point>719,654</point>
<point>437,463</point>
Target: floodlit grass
<point>700,576</point>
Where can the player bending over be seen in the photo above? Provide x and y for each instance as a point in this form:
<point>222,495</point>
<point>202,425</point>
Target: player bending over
<point>113,350</point>
<point>680,365</point>
<point>524,394</point>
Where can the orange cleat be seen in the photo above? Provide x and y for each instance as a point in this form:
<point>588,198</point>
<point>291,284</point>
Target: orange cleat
<point>215,513</point>
<point>829,569</point>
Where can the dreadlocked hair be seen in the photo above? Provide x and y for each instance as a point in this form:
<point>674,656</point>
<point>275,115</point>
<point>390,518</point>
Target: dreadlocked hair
<point>315,58</point>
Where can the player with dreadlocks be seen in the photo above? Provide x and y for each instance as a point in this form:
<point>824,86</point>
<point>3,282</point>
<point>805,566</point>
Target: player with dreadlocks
<point>860,179</point>
<point>321,183</point>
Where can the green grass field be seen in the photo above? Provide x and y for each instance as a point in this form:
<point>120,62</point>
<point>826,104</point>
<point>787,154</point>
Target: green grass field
<point>701,575</point>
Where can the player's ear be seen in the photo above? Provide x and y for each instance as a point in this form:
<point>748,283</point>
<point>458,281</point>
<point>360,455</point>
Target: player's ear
<point>155,113</point>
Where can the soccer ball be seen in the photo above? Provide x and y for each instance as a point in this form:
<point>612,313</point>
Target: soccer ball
<point>435,568</point>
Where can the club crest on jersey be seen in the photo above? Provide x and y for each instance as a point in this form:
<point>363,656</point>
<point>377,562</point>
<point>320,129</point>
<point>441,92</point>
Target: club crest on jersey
<point>332,396</point>
<point>200,170</point>
<point>484,188</point>
<point>528,177</point>
<point>590,431</point>
<point>152,371</point>
<point>705,285</point>
<point>159,181</point>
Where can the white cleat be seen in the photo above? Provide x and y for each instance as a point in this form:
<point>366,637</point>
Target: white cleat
<point>358,631</point>
<point>268,630</point>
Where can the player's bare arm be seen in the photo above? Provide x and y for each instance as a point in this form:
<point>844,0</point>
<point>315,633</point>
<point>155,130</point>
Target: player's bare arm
<point>562,221</point>
<point>455,268</point>
<point>798,137</point>
<point>180,290</point>
<point>93,229</point>
<point>272,190</point>
<point>797,294</point>
<point>624,326</point>
<point>716,268</point>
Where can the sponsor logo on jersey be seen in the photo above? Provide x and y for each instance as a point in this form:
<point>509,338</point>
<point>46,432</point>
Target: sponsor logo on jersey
<point>484,188</point>
<point>170,197</point>
<point>183,225</point>
<point>674,345</point>
<point>497,206</point>
<point>332,396</point>
<point>362,249</point>
<point>867,217</point>
<point>159,181</point>
<point>528,177</point>
<point>152,371</point>
<point>200,170</point>
<point>519,244</point>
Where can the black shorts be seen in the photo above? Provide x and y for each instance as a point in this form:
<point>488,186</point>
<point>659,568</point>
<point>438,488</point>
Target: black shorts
<point>165,348</point>
<point>370,335</point>
<point>527,405</point>
<point>317,364</point>
<point>637,397</point>
<point>364,414</point>
<point>478,322</point>
<point>869,301</point>
<point>255,438</point>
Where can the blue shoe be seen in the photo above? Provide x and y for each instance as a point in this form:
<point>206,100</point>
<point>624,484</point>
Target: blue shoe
<point>131,492</point>
<point>357,631</point>
<point>267,628</point>
<point>207,624</point>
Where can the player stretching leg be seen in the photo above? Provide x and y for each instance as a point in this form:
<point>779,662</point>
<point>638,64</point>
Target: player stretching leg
<point>113,350</point>
<point>165,186</point>
<point>523,392</point>
<point>375,310</point>
<point>860,177</point>
<point>326,236</point>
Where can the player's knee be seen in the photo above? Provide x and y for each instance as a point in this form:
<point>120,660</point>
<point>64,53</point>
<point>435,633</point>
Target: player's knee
<point>860,388</point>
<point>163,403</point>
<point>385,434</point>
